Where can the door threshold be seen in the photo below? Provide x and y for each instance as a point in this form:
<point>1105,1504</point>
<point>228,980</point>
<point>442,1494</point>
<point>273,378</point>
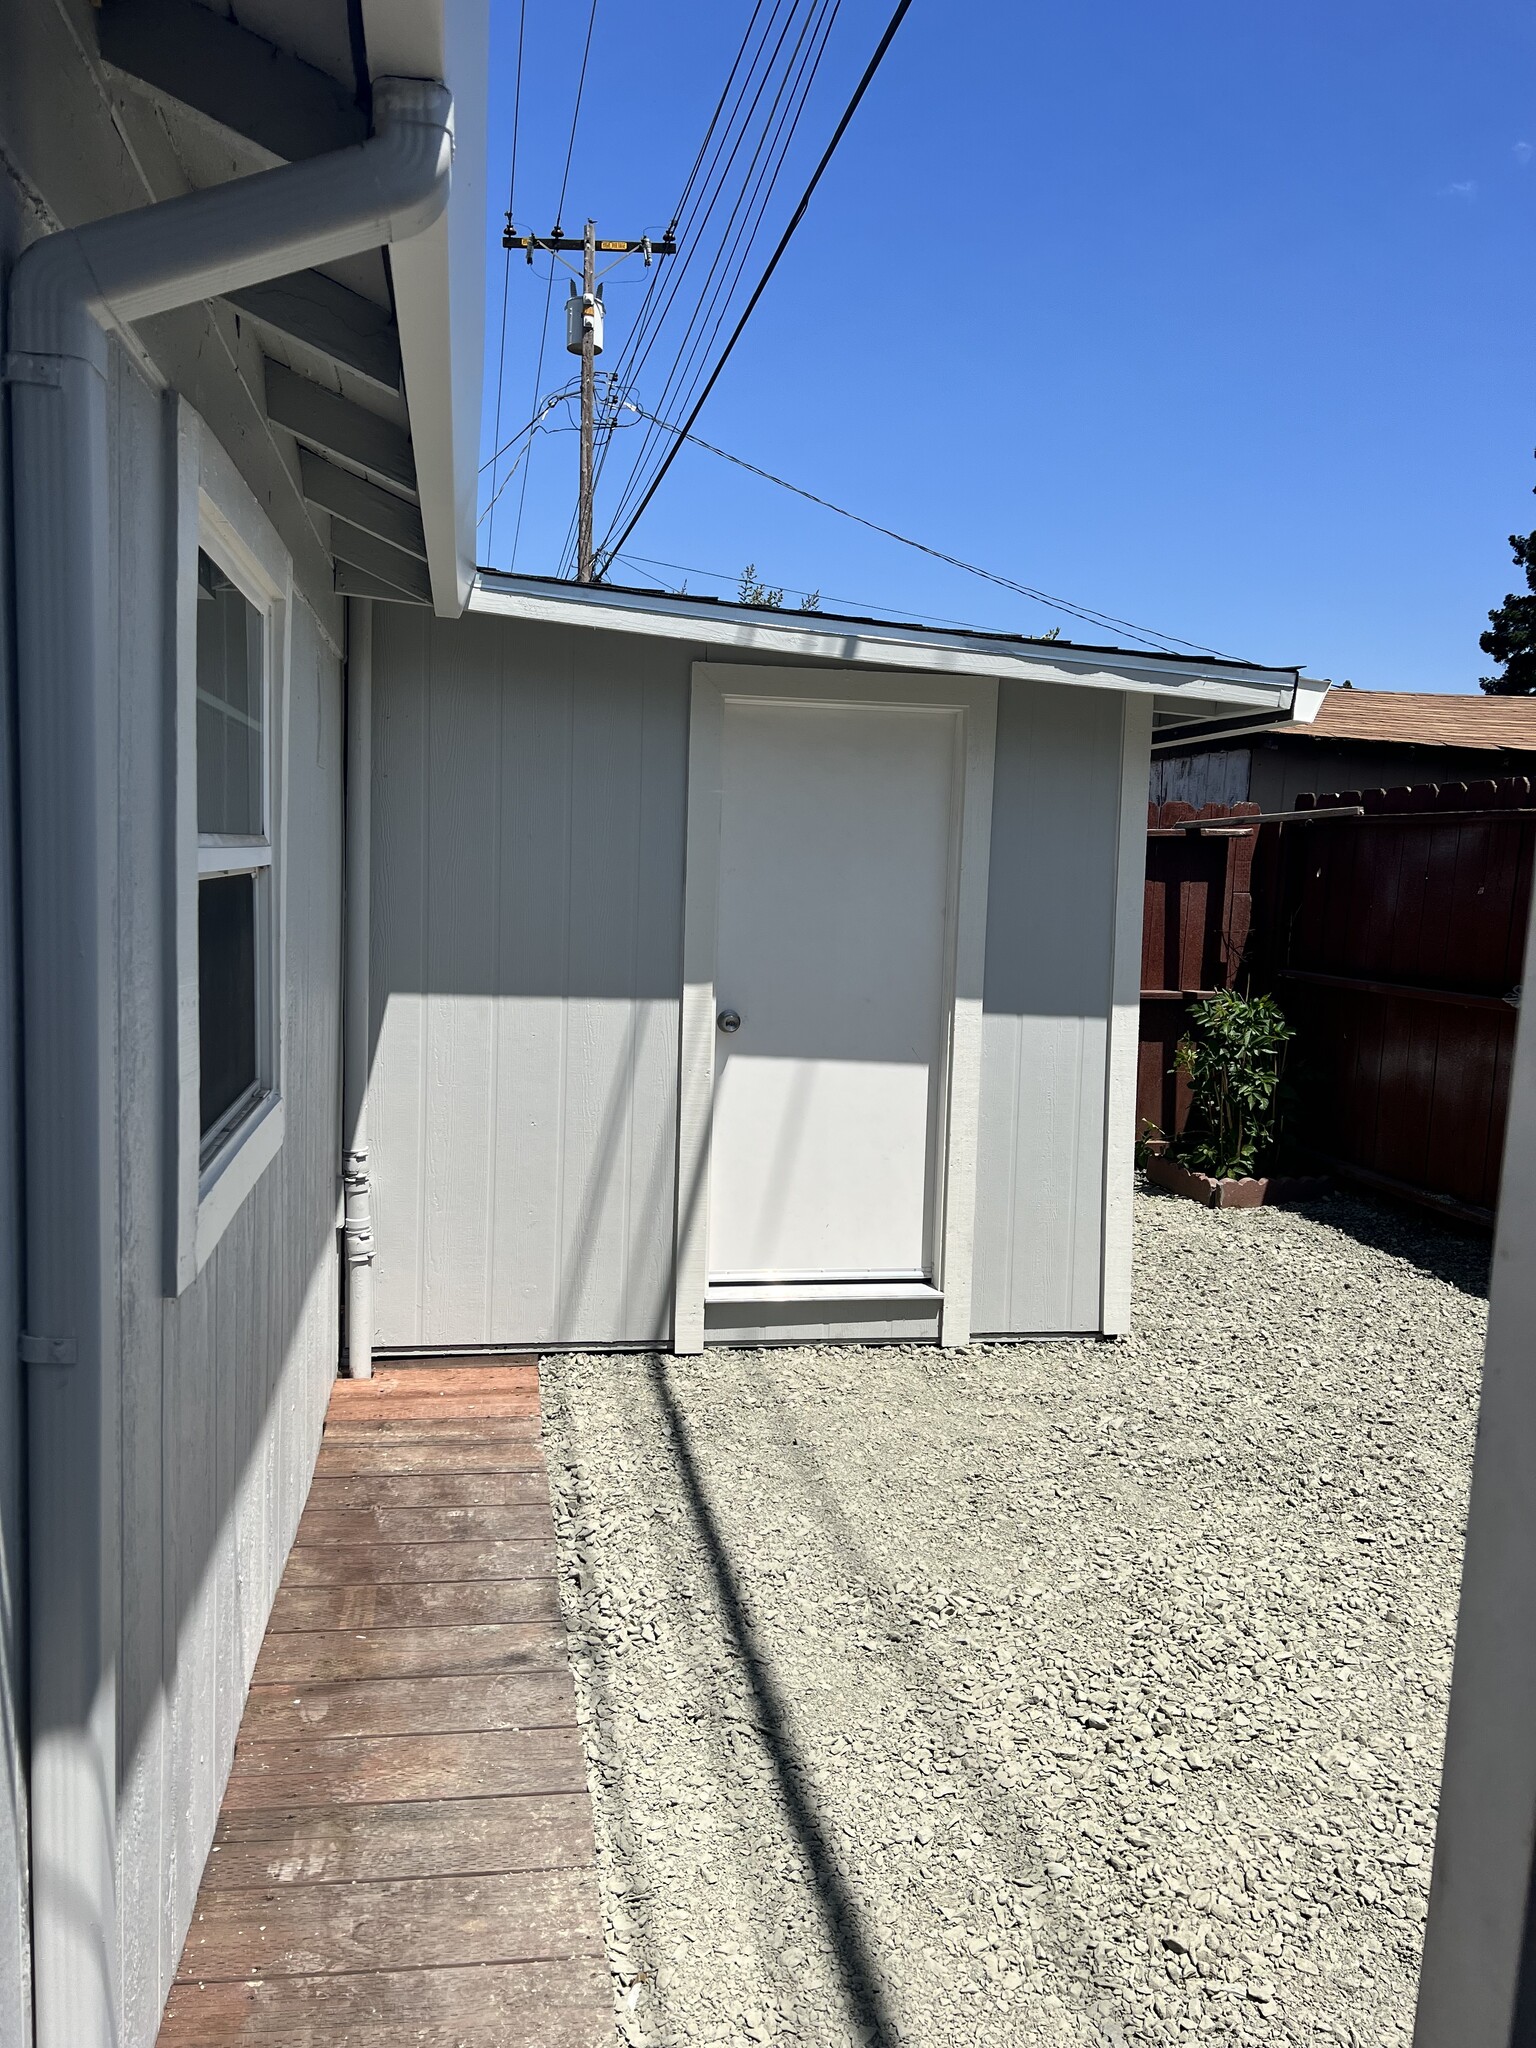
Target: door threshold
<point>745,1293</point>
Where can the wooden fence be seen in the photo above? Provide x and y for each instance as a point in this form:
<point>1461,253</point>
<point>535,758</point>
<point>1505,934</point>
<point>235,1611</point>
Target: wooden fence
<point>1194,934</point>
<point>1390,924</point>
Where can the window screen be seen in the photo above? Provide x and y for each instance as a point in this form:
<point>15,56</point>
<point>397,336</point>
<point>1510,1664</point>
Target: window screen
<point>231,742</point>
<point>235,855</point>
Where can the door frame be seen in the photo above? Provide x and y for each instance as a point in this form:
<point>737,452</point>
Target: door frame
<point>972,701</point>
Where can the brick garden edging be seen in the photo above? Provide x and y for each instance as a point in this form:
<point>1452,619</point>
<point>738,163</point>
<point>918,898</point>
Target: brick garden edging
<point>1235,1194</point>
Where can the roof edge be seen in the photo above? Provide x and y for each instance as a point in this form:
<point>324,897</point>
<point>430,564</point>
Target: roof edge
<point>872,643</point>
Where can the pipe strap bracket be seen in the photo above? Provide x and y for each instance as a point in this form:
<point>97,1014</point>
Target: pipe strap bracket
<point>24,368</point>
<point>46,1350</point>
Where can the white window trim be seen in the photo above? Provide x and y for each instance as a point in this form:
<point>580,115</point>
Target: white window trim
<point>214,510</point>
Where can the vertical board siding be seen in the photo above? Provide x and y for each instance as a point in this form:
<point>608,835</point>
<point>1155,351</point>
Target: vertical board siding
<point>15,1900</point>
<point>529,806</point>
<point>1045,1037</point>
<point>528,815</point>
<point>224,1389</point>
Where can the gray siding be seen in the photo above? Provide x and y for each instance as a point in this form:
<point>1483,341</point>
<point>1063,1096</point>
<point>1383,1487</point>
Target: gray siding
<point>528,820</point>
<point>15,1941</point>
<point>1050,922</point>
<point>529,808</point>
<point>223,1389</point>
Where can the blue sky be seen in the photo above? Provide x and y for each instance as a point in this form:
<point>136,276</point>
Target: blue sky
<point>1217,319</point>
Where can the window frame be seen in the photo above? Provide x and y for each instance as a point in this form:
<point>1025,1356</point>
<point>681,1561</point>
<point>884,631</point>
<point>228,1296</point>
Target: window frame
<point>217,515</point>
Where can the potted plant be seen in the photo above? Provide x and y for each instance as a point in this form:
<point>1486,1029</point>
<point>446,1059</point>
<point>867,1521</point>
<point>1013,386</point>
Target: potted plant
<point>1233,1057</point>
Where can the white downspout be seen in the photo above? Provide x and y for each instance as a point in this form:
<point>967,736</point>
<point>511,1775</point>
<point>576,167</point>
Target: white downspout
<point>67,290</point>
<point>357,1227</point>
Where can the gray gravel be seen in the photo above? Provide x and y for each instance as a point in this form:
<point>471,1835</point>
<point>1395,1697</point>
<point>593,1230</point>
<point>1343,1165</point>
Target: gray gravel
<point>1054,1693</point>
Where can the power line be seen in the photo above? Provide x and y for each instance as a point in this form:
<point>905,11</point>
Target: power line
<point>865,604</point>
<point>581,86</point>
<point>538,379</point>
<point>741,233</point>
<point>738,234</point>
<point>773,263</point>
<point>1148,635</point>
<point>555,398</point>
<point>750,64</point>
<point>506,261</point>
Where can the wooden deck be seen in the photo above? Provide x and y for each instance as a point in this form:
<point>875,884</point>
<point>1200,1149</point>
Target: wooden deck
<point>404,1853</point>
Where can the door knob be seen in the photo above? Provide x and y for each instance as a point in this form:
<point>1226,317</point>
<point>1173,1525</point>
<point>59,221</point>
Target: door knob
<point>728,1021</point>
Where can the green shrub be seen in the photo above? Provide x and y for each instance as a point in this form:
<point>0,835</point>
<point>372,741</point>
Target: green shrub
<point>1233,1058</point>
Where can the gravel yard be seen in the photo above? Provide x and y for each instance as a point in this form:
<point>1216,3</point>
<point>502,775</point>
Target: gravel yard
<point>1051,1693</point>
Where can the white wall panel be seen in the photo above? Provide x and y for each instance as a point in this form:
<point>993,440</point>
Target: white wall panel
<point>528,816</point>
<point>1050,910</point>
<point>528,808</point>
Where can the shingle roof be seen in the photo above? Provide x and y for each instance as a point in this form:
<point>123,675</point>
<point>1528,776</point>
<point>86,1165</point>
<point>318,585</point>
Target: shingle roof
<point>1419,719</point>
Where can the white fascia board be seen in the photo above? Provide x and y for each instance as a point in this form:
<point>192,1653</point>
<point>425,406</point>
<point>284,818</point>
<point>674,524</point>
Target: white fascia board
<point>1174,684</point>
<point>439,280</point>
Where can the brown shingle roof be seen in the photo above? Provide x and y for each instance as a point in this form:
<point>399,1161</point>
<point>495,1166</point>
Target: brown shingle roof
<point>1419,719</point>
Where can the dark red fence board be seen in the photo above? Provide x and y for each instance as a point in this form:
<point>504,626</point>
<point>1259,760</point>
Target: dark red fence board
<point>1194,934</point>
<point>1418,911</point>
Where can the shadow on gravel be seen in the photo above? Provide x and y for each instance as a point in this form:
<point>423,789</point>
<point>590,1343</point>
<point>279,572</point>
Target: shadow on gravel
<point>839,1910</point>
<point>1455,1253</point>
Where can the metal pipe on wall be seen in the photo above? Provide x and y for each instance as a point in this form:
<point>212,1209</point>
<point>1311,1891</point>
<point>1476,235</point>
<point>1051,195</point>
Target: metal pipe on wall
<point>67,291</point>
<point>357,1225</point>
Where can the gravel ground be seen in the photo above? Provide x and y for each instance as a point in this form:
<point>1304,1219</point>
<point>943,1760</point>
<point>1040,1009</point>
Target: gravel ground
<point>1049,1693</point>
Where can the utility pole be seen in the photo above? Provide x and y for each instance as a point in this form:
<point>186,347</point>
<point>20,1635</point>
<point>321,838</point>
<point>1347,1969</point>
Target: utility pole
<point>584,337</point>
<point>591,315</point>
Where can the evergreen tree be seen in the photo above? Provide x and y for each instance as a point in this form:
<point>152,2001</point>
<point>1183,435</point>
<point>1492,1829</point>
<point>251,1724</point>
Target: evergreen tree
<point>1511,635</point>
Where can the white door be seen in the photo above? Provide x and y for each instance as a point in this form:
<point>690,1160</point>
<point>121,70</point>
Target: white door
<point>836,857</point>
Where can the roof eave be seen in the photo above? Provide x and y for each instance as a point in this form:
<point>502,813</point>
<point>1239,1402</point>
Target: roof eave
<point>1174,680</point>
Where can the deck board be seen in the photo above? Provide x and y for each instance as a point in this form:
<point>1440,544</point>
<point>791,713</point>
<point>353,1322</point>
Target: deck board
<point>554,2004</point>
<point>440,1704</point>
<point>405,1851</point>
<point>384,1492</point>
<point>305,1607</point>
<point>416,1838</point>
<point>314,1655</point>
<point>442,1522</point>
<point>424,1564</point>
<point>499,1447</point>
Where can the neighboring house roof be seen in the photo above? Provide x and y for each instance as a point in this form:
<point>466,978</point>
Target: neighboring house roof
<point>1406,718</point>
<point>371,365</point>
<point>1181,684</point>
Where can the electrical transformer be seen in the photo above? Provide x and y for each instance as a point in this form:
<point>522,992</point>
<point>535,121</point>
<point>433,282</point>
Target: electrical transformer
<point>580,311</point>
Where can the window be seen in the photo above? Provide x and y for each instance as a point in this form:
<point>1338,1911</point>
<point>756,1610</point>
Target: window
<point>234,850</point>
<point>230,670</point>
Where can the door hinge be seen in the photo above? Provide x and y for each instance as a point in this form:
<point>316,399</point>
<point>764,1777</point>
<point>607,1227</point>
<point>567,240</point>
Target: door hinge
<point>46,1350</point>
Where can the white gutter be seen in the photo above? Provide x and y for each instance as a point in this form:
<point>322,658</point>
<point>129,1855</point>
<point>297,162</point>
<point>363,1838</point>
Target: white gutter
<point>861,644</point>
<point>438,279</point>
<point>67,291</point>
<point>357,1225</point>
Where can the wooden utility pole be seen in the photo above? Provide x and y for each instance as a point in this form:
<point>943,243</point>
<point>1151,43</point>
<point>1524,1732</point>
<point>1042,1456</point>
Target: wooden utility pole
<point>588,344</point>
<point>588,401</point>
